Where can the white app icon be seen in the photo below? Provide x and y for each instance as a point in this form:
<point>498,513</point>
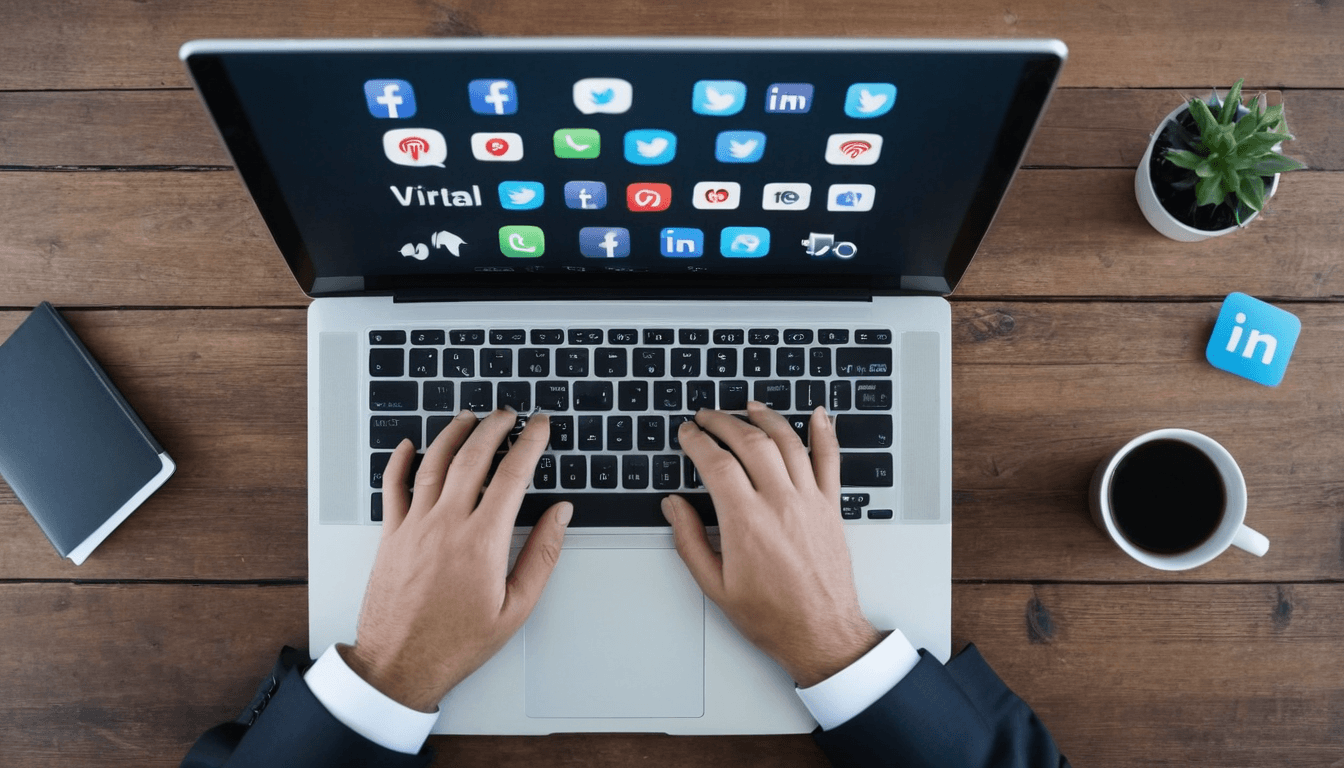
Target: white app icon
<point>415,146</point>
<point>786,197</point>
<point>610,95</point>
<point>853,148</point>
<point>850,197</point>
<point>496,146</point>
<point>716,195</point>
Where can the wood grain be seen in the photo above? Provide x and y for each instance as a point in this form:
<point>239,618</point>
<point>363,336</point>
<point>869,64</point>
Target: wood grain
<point>1149,43</point>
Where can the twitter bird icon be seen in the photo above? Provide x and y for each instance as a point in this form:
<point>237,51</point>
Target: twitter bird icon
<point>718,97</point>
<point>650,146</point>
<point>864,100</point>
<point>739,146</point>
<point>521,195</point>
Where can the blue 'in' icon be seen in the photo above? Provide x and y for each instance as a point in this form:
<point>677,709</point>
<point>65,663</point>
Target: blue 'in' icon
<point>389,98</point>
<point>1253,339</point>
<point>682,242</point>
<point>793,98</point>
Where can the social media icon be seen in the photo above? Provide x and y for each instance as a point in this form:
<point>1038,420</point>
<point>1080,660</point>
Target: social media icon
<point>393,99</point>
<point>577,143</point>
<point>850,197</point>
<point>493,97</point>
<point>744,242</point>
<point>520,242</point>
<point>869,99</point>
<point>604,242</point>
<point>824,246</point>
<point>793,98</point>
<point>648,196</point>
<point>417,147</point>
<point>608,95</point>
<point>716,195</point>
<point>649,146</point>
<point>521,195</point>
<point>781,196</point>
<point>497,147</point>
<point>718,97</point>
<point>682,242</point>
<point>586,195</point>
<point>739,146</point>
<point>1253,339</point>
<point>853,148</point>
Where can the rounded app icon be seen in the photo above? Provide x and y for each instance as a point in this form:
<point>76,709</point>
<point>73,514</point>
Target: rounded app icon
<point>415,146</point>
<point>586,195</point>
<point>521,195</point>
<point>744,242</point>
<point>520,242</point>
<point>496,147</point>
<point>716,195</point>
<point>577,143</point>
<point>786,196</point>
<point>718,97</point>
<point>648,196</point>
<point>493,97</point>
<point>609,95</point>
<point>853,148</point>
<point>604,242</point>
<point>850,197</point>
<point>650,146</point>
<point>869,99</point>
<point>681,242</point>
<point>739,146</point>
<point>394,99</point>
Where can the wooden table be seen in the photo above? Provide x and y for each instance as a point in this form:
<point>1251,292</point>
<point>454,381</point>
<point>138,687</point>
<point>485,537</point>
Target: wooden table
<point>1077,327</point>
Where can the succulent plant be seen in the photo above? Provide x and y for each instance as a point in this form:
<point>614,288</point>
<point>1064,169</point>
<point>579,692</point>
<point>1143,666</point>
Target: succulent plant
<point>1229,157</point>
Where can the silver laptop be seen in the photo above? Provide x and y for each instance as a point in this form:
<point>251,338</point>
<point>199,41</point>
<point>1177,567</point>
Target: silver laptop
<point>620,232</point>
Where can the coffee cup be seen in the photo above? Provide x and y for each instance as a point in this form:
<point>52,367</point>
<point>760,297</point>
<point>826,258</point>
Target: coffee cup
<point>1173,499</point>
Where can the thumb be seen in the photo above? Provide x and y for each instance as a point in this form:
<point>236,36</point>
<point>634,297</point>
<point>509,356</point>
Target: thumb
<point>693,545</point>
<point>536,562</point>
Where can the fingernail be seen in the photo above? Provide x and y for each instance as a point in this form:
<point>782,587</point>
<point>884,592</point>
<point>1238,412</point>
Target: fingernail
<point>565,514</point>
<point>404,441</point>
<point>754,404</point>
<point>667,509</point>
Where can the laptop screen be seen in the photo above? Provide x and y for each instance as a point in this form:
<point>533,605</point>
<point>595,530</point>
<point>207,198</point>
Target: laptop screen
<point>582,167</point>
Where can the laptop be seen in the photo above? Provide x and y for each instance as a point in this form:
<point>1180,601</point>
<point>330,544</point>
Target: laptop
<point>620,232</point>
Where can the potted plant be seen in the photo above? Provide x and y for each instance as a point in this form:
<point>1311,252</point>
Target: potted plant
<point>1210,167</point>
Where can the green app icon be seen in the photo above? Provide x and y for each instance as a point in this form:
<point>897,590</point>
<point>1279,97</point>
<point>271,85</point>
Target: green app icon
<point>522,242</point>
<point>577,143</point>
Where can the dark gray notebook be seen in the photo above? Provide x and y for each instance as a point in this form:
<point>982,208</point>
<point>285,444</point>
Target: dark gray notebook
<point>74,452</point>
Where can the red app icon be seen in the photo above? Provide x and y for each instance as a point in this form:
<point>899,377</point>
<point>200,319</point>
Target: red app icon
<point>647,196</point>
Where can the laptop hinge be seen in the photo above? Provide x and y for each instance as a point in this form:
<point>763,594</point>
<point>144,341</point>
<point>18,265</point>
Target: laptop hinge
<point>411,296</point>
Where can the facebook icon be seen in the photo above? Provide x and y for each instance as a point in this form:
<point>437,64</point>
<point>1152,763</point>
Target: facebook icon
<point>390,98</point>
<point>493,97</point>
<point>604,242</point>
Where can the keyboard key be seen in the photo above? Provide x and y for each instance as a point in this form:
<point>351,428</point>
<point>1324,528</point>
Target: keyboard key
<point>377,466</point>
<point>667,396</point>
<point>620,433</point>
<point>666,472</point>
<point>543,476</point>
<point>387,337</point>
<point>650,362</point>
<point>590,433</point>
<point>438,396</point>
<point>756,361</point>
<point>879,514</point>
<point>733,395</point>
<point>798,336</point>
<point>624,336</point>
<point>609,362</point>
<point>510,336</point>
<point>427,338</point>
<point>850,513</point>
<point>376,508</point>
<point>573,472</point>
<point>516,395</point>
<point>873,395</point>
<point>392,396</point>
<point>685,362</point>
<point>552,337</point>
<point>562,433</point>
<point>459,363</point>
<point>872,470</point>
<point>467,338</point>
<point>699,394</point>
<point>534,363</point>
<point>801,423</point>
<point>864,431</point>
<point>497,363</point>
<point>721,362</point>
<point>387,432</point>
<point>632,396</point>
<point>763,336</point>
<point>658,336</point>
<point>861,499</point>
<point>434,425</point>
<point>673,426</point>
<point>790,361</point>
<point>689,474</point>
<point>553,395</point>
<point>872,336</point>
<point>615,508</point>
<point>777,395</point>
<point>634,472</point>
<point>857,361</point>
<point>605,472</point>
<point>833,336</point>
<point>730,336</point>
<point>387,362</point>
<point>852,504</point>
<point>819,361</point>
<point>592,396</point>
<point>424,363</point>
<point>840,396</point>
<point>586,336</point>
<point>650,433</point>
<point>476,396</point>
<point>571,362</point>
<point>693,336</point>
<point>807,395</point>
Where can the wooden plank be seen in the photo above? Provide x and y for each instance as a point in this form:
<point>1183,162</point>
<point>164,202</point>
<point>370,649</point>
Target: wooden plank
<point>195,239</point>
<point>126,44</point>
<point>1218,674</point>
<point>1083,128</point>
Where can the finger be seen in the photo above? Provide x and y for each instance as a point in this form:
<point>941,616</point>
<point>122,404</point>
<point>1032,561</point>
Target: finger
<point>719,470</point>
<point>535,564</point>
<point>791,448</point>
<point>434,467</point>
<point>693,545</point>
<point>466,474</point>
<point>505,493</point>
<point>825,453</point>
<point>754,449</point>
<point>395,498</point>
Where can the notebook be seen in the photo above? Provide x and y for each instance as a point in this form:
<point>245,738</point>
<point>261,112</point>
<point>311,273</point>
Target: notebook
<point>620,232</point>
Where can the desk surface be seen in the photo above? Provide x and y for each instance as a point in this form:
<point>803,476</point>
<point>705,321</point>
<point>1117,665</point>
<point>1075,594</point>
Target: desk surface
<point>1076,328</point>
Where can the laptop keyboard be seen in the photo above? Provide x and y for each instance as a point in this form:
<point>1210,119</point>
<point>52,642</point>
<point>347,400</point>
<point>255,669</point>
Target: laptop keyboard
<point>616,397</point>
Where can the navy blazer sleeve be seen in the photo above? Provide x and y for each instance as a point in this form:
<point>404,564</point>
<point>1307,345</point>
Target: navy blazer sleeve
<point>955,716</point>
<point>285,726</point>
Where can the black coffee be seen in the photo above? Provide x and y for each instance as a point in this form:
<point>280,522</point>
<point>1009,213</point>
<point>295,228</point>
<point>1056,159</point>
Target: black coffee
<point>1167,497</point>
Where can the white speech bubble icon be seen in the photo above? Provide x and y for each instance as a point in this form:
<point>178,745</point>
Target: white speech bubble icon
<point>610,95</point>
<point>415,147</point>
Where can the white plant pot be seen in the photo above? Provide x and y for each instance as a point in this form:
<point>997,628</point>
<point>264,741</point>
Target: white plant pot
<point>1158,216</point>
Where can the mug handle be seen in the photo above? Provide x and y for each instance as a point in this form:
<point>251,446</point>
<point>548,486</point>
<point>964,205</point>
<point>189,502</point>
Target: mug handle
<point>1251,540</point>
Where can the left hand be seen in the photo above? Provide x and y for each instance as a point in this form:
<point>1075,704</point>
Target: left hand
<point>440,600</point>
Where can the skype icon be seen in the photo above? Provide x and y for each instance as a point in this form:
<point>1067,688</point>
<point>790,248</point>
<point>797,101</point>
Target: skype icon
<point>744,242</point>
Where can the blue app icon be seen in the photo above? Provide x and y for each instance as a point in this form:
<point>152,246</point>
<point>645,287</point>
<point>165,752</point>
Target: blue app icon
<point>681,242</point>
<point>869,99</point>
<point>791,98</point>
<point>1253,339</point>
<point>493,97</point>
<point>586,195</point>
<point>649,146</point>
<point>393,99</point>
<point>718,97</point>
<point>744,242</point>
<point>604,242</point>
<point>521,195</point>
<point>739,146</point>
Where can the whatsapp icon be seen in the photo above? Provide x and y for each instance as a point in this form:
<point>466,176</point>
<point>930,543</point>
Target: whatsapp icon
<point>519,242</point>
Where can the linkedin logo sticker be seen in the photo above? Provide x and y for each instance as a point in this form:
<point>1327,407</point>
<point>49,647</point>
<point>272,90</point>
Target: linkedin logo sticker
<point>1253,339</point>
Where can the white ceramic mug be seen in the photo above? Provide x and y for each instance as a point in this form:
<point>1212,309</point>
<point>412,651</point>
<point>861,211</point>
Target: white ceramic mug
<point>1231,531</point>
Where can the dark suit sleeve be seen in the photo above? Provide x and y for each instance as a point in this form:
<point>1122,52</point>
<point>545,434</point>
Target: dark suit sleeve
<point>956,716</point>
<point>285,726</point>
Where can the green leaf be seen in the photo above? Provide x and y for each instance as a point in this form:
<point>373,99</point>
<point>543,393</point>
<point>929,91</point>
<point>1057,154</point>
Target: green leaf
<point>1231,180</point>
<point>1203,118</point>
<point>1204,169</point>
<point>1252,192</point>
<point>1184,159</point>
<point>1230,104</point>
<point>1272,164</point>
<point>1272,116</point>
<point>1245,127</point>
<point>1260,144</point>
<point>1209,192</point>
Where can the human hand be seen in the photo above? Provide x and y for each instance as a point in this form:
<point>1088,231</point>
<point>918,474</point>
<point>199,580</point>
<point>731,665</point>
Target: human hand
<point>784,578</point>
<point>438,604</point>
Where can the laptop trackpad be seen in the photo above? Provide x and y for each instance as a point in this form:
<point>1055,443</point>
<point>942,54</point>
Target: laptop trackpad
<point>618,633</point>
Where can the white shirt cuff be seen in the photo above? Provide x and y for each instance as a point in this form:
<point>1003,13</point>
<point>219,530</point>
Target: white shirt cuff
<point>838,698</point>
<point>366,710</point>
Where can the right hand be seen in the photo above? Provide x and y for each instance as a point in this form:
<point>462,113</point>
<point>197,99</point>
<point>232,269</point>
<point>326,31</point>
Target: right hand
<point>784,578</point>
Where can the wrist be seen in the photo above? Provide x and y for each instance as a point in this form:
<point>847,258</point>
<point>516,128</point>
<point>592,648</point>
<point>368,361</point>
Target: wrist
<point>842,649</point>
<point>387,679</point>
